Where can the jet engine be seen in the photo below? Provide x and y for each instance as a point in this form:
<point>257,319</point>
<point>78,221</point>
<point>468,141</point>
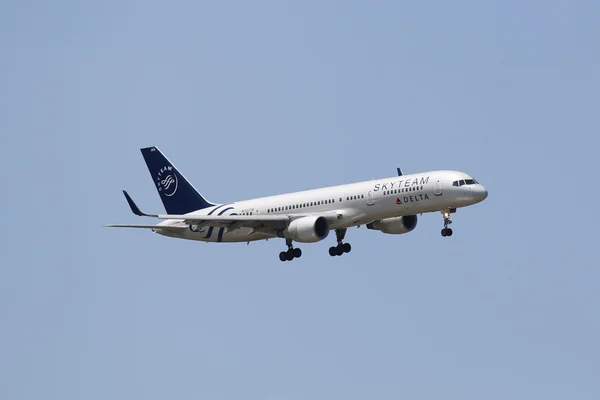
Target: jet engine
<point>306,229</point>
<point>395,225</point>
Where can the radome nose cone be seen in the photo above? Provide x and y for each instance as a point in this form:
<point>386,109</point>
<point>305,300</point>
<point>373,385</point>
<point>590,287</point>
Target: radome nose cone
<point>483,194</point>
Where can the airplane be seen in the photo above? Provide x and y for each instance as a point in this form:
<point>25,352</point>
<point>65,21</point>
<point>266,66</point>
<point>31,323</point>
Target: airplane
<point>387,205</point>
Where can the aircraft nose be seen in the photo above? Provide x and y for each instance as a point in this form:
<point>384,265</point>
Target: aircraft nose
<point>481,194</point>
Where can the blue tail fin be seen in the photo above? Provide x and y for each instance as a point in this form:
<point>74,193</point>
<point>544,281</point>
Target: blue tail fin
<point>176,193</point>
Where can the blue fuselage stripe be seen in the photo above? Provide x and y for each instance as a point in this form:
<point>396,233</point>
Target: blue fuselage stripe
<point>215,209</point>
<point>222,230</point>
<point>210,230</point>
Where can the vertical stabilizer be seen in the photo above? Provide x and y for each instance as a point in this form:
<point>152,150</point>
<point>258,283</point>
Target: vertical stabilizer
<point>176,193</point>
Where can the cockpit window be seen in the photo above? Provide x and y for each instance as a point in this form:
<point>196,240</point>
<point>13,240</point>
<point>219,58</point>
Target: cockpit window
<point>465,182</point>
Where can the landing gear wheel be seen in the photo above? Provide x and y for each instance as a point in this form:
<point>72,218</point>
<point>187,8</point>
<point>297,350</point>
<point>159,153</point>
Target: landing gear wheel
<point>447,221</point>
<point>289,255</point>
<point>446,232</point>
<point>341,247</point>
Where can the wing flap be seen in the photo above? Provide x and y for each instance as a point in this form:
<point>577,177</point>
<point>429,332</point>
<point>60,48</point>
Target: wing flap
<point>232,221</point>
<point>247,221</point>
<point>153,227</point>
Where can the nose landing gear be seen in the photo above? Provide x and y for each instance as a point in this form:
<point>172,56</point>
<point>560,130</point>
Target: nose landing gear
<point>342,247</point>
<point>447,221</point>
<point>291,253</point>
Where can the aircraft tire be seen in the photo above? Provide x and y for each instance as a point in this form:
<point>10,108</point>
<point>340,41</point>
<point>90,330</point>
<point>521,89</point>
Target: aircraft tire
<point>289,255</point>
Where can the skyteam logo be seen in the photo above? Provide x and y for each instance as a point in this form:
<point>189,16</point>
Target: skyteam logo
<point>166,181</point>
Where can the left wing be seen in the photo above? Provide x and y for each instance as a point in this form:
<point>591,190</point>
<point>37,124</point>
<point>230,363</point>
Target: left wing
<point>258,222</point>
<point>231,221</point>
<point>269,222</point>
<point>153,227</point>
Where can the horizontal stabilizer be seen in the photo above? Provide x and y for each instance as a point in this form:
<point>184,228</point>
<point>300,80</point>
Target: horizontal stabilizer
<point>134,208</point>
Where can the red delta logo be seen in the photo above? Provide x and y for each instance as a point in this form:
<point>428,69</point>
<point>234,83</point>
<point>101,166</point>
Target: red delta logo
<point>398,201</point>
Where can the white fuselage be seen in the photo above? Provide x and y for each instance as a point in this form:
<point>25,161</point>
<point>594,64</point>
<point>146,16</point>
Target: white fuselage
<point>354,204</point>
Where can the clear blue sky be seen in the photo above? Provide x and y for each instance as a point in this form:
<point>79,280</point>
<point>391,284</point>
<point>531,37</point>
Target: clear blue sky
<point>257,98</point>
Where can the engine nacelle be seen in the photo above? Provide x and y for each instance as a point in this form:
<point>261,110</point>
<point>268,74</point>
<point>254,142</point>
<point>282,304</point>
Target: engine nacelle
<point>395,225</point>
<point>306,229</point>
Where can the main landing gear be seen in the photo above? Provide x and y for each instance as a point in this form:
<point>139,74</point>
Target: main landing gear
<point>341,248</point>
<point>291,253</point>
<point>447,221</point>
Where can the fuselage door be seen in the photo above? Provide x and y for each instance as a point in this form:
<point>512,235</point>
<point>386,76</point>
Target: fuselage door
<point>370,200</point>
<point>437,188</point>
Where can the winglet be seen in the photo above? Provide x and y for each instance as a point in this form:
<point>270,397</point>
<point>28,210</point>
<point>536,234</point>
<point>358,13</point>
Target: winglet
<point>399,172</point>
<point>134,208</point>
